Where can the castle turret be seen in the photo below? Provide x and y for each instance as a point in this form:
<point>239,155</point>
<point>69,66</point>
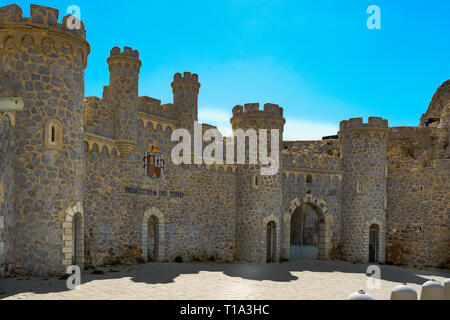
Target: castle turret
<point>45,62</point>
<point>122,96</point>
<point>259,197</point>
<point>364,150</point>
<point>185,98</point>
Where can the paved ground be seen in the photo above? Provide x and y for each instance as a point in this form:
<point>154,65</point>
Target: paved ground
<point>292,281</point>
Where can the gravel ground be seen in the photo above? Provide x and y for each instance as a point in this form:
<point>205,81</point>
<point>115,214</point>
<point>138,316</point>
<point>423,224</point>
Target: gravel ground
<point>295,280</point>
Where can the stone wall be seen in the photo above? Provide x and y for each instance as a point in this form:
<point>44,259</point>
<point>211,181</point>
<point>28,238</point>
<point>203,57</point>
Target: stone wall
<point>324,187</point>
<point>73,188</point>
<point>257,205</point>
<point>198,225</point>
<point>363,150</point>
<point>99,117</point>
<point>418,215</point>
<point>6,190</point>
<point>47,70</point>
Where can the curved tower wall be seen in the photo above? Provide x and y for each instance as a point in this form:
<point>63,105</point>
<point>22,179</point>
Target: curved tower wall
<point>45,62</point>
<point>256,206</point>
<point>363,151</point>
<point>122,93</point>
<point>185,99</point>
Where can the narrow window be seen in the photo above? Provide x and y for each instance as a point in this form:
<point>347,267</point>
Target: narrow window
<point>309,178</point>
<point>53,134</point>
<point>256,181</point>
<point>359,187</point>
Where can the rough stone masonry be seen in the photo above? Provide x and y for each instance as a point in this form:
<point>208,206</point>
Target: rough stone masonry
<point>73,188</point>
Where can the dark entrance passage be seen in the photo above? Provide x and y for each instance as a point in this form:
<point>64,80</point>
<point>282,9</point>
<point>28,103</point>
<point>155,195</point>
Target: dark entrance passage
<point>305,233</point>
<point>77,238</point>
<point>271,242</point>
<point>152,239</point>
<point>373,243</point>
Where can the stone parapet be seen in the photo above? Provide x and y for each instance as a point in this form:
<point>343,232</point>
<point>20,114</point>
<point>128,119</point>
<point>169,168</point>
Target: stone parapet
<point>42,30</point>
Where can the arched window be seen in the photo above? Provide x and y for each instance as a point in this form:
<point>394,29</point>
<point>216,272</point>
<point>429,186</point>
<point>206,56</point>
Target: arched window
<point>53,135</point>
<point>309,178</point>
<point>256,181</point>
<point>359,187</point>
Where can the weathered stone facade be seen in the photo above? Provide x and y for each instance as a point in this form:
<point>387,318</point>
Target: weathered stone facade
<point>73,188</point>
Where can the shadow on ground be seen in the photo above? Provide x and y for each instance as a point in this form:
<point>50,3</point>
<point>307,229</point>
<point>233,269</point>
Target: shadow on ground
<point>161,273</point>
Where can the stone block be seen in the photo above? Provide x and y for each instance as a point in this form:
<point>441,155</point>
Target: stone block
<point>70,212</point>
<point>67,237</point>
<point>67,225</point>
<point>67,250</point>
<point>67,262</point>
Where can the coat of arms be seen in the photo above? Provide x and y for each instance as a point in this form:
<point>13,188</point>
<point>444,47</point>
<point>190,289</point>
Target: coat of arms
<point>154,162</point>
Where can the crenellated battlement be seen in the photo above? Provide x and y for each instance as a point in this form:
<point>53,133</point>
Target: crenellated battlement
<point>39,16</point>
<point>357,123</point>
<point>253,109</point>
<point>187,81</point>
<point>124,63</point>
<point>42,32</point>
<point>250,116</point>
<point>127,52</point>
<point>148,104</point>
<point>186,76</point>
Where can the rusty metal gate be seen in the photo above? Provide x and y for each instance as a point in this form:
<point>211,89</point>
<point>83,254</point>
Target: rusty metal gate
<point>305,233</point>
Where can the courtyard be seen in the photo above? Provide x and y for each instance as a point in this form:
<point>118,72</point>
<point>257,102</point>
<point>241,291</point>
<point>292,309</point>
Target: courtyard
<point>294,280</point>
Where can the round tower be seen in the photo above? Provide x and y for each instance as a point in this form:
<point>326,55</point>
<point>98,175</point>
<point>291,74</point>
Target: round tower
<point>363,151</point>
<point>122,96</point>
<point>259,196</point>
<point>185,98</point>
<point>45,61</point>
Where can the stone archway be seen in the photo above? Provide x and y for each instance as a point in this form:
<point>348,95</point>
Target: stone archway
<point>325,227</point>
<point>156,215</point>
<point>276,234</point>
<point>73,236</point>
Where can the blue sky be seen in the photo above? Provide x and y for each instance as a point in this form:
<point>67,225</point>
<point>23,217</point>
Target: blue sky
<point>317,59</point>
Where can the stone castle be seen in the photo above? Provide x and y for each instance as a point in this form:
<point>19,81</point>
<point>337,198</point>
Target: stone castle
<point>74,189</point>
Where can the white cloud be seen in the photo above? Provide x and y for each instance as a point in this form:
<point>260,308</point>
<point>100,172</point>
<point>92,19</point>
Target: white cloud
<point>218,118</point>
<point>293,130</point>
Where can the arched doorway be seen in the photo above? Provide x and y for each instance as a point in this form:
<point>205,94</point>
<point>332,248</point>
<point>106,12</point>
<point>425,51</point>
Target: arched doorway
<point>77,237</point>
<point>305,233</point>
<point>152,238</point>
<point>271,242</point>
<point>153,235</point>
<point>373,243</point>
